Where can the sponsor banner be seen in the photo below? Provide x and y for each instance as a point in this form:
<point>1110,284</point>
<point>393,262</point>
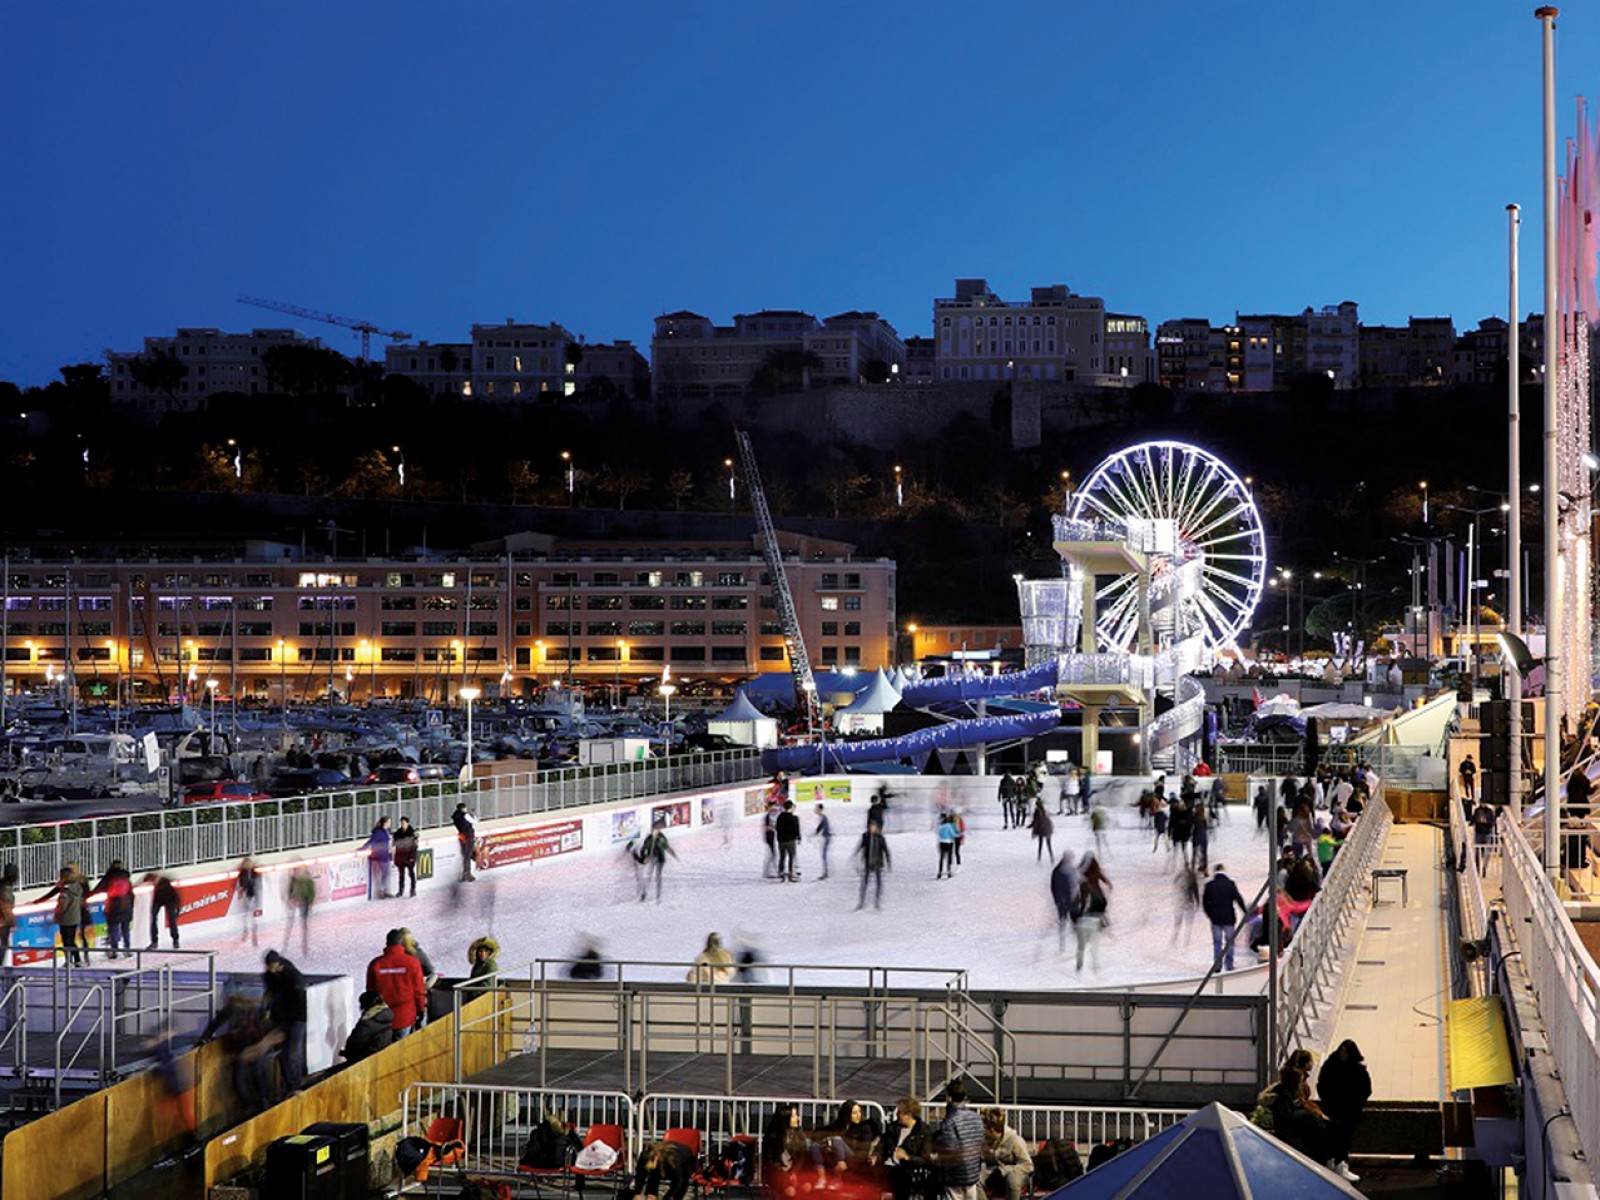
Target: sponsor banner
<point>529,845</point>
<point>203,901</point>
<point>341,879</point>
<point>708,810</point>
<point>811,791</point>
<point>756,801</point>
<point>667,816</point>
<point>425,862</point>
<point>625,825</point>
<point>36,935</point>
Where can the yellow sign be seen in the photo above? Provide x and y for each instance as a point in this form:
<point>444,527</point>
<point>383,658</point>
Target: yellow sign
<point>1480,1052</point>
<point>812,791</point>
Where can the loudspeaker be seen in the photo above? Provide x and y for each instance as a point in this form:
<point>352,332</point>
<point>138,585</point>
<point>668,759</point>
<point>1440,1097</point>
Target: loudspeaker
<point>350,1149</point>
<point>303,1167</point>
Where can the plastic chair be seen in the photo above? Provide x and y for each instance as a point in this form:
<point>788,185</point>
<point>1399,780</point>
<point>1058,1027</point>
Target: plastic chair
<point>685,1137</point>
<point>610,1135</point>
<point>709,1179</point>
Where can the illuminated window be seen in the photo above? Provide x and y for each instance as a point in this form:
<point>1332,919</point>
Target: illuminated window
<point>830,604</point>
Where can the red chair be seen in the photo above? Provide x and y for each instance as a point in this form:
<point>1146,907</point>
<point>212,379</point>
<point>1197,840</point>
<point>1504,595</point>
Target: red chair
<point>718,1178</point>
<point>445,1134</point>
<point>610,1135</point>
<point>685,1137</point>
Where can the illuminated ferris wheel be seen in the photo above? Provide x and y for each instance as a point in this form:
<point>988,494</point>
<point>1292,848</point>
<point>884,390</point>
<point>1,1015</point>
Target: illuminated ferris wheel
<point>1208,579</point>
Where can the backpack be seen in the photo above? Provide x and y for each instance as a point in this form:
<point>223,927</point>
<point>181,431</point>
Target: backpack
<point>548,1147</point>
<point>410,1153</point>
<point>734,1164</point>
<point>1056,1163</point>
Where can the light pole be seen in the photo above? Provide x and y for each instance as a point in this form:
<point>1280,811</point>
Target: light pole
<point>899,489</point>
<point>538,666</point>
<point>1553,632</point>
<point>400,467</point>
<point>116,713</point>
<point>732,483</point>
<point>238,458</point>
<point>468,694</point>
<point>665,692</point>
<point>211,697</point>
<point>616,699</point>
<point>1424,486</point>
<point>1474,566</point>
<point>572,478</point>
<point>1513,688</point>
<point>283,694</point>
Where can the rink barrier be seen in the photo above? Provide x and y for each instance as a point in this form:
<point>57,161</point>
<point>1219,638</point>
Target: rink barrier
<point>1309,968</point>
<point>191,835</point>
<point>1564,978</point>
<point>498,1119</point>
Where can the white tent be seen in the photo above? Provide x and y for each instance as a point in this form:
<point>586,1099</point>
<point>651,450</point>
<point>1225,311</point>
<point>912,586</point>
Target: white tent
<point>744,723</point>
<point>865,713</point>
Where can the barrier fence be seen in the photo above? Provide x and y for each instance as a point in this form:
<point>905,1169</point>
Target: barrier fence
<point>496,1121</point>
<point>1565,979</point>
<point>1309,966</point>
<point>182,837</point>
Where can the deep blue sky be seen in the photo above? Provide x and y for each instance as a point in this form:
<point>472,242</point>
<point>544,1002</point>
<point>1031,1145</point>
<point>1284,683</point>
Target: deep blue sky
<point>427,166</point>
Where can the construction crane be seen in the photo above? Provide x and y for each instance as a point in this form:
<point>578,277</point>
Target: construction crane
<point>365,328</point>
<point>805,686</point>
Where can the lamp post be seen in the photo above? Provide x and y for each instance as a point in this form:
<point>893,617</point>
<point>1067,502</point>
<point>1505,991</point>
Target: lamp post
<point>116,712</point>
<point>468,694</point>
<point>211,697</point>
<point>899,489</point>
<point>1424,486</point>
<point>665,692</point>
<point>538,665</point>
<point>616,685</point>
<point>400,466</point>
<point>238,458</point>
<point>572,478</point>
<point>732,483</point>
<point>283,693</point>
<point>1474,566</point>
<point>1553,632</point>
<point>1513,688</point>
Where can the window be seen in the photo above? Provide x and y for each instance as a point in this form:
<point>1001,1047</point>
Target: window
<point>399,579</point>
<point>645,628</point>
<point>604,654</point>
<point>439,603</point>
<point>606,579</point>
<point>688,654</point>
<point>399,628</point>
<point>653,654</point>
<point>727,628</point>
<point>688,629</point>
<point>604,603</point>
<point>524,604</point>
<point>730,603</point>
<point>830,579</point>
<point>439,628</point>
<point>648,579</point>
<point>556,602</point>
<point>690,579</point>
<point>483,628</point>
<point>523,629</point>
<point>483,579</point>
<point>397,654</point>
<point>852,656</point>
<point>255,629</point>
<point>852,629</point>
<point>730,579</point>
<point>830,629</point>
<point>256,654</point>
<point>692,603</point>
<point>830,604</point>
<point>830,655</point>
<point>852,604</point>
<point>559,628</point>
<point>727,654</point>
<point>524,656</point>
<point>605,628</point>
<point>853,579</point>
<point>399,604</point>
<point>647,602</point>
<point>772,654</point>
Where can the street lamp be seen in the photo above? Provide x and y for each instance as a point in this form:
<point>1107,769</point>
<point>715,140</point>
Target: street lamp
<point>469,694</point>
<point>238,459</point>
<point>572,477</point>
<point>732,494</point>
<point>1424,486</point>
<point>116,718</point>
<point>400,466</point>
<point>622,648</point>
<point>899,489</point>
<point>283,693</point>
<point>211,696</point>
<point>665,692</point>
<point>538,664</point>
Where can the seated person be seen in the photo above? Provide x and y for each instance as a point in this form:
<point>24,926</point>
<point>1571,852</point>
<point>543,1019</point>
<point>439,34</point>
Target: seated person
<point>1006,1161</point>
<point>906,1152</point>
<point>849,1141</point>
<point>791,1163</point>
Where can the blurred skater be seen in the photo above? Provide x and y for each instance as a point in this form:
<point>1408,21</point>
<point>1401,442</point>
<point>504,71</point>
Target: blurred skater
<point>873,852</point>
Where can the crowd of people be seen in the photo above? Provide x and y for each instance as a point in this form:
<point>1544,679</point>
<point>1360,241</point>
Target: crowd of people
<point>1321,1128</point>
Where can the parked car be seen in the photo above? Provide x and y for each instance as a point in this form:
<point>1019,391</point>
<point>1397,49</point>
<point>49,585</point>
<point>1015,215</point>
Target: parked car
<point>401,772</point>
<point>222,790</point>
<point>308,779</point>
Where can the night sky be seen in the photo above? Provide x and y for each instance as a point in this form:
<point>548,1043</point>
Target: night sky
<point>428,166</point>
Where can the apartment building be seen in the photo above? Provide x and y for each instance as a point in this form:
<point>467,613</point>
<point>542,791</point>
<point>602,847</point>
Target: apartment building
<point>1191,355</point>
<point>783,349</point>
<point>440,369</point>
<point>519,361</point>
<point>1420,353</point>
<point>212,362</point>
<point>263,621</point>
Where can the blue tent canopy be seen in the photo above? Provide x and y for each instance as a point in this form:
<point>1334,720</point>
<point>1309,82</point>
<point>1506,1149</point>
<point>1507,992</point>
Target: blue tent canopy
<point>1213,1153</point>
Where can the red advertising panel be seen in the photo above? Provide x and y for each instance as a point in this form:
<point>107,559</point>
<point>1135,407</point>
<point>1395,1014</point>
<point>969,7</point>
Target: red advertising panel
<point>666,816</point>
<point>527,845</point>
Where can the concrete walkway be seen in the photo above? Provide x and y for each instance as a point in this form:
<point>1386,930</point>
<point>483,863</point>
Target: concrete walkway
<point>1398,985</point>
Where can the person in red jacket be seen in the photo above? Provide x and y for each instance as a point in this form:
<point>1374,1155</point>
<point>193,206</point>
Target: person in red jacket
<point>397,977</point>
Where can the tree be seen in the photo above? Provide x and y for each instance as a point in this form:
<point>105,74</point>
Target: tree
<point>372,477</point>
<point>785,370</point>
<point>302,369</point>
<point>159,371</point>
<point>622,482</point>
<point>840,486</point>
<point>521,477</point>
<point>680,486</point>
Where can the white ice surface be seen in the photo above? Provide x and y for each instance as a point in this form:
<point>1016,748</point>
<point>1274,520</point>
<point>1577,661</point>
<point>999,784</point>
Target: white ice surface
<point>995,919</point>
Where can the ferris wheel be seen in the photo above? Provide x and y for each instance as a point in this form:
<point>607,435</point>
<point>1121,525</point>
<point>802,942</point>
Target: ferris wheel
<point>1214,573</point>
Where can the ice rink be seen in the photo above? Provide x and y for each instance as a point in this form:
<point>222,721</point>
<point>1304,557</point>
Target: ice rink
<point>995,919</point>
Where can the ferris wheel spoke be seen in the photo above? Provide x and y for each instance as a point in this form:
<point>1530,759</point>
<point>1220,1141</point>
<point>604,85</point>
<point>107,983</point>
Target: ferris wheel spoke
<point>1202,508</point>
<point>1199,536</point>
<point>1131,505</point>
<point>1105,510</point>
<point>1217,572</point>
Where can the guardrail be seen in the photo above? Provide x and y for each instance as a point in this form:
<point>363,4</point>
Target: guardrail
<point>181,837</point>
<point>1307,967</point>
<point>1565,980</point>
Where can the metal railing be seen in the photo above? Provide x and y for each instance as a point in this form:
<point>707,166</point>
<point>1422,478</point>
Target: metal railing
<point>496,1120</point>
<point>1308,967</point>
<point>181,837</point>
<point>98,1033</point>
<point>1565,980</point>
<point>1126,670</point>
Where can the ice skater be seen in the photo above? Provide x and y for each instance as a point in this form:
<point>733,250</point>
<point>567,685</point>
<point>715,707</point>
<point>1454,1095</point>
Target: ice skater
<point>1043,831</point>
<point>947,845</point>
<point>302,895</point>
<point>873,851</point>
<point>1067,803</point>
<point>824,835</point>
<point>787,831</point>
<point>1065,883</point>
<point>1095,905</point>
<point>1099,822</point>
<point>248,886</point>
<point>652,859</point>
<point>1187,901</point>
